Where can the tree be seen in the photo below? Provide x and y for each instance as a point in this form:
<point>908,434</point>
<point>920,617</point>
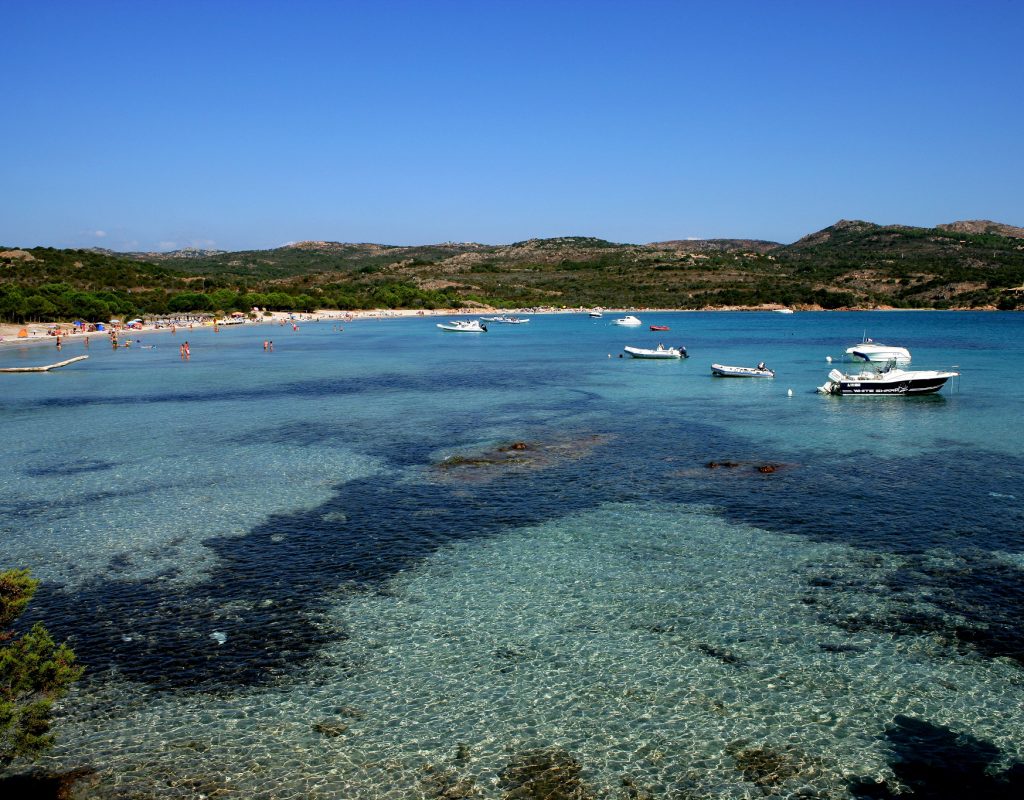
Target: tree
<point>34,672</point>
<point>189,301</point>
<point>13,305</point>
<point>224,300</point>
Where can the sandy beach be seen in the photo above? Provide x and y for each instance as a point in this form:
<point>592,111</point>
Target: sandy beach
<point>39,332</point>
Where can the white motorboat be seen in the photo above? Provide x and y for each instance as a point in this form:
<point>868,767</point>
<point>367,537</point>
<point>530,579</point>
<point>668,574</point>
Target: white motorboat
<point>628,320</point>
<point>887,380</point>
<point>510,320</point>
<point>659,352</point>
<point>463,326</point>
<point>783,310</point>
<point>596,314</point>
<point>760,371</point>
<point>869,350</point>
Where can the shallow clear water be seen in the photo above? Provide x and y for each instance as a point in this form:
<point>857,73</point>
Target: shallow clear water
<point>279,592</point>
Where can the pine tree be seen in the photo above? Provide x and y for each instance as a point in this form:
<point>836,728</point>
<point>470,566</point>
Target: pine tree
<point>34,673</point>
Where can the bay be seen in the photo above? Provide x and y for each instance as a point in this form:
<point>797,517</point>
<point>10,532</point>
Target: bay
<point>281,587</point>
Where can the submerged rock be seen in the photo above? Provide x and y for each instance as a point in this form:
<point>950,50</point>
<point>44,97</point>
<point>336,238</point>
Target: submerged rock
<point>516,456</point>
<point>725,656</point>
<point>765,767</point>
<point>350,711</point>
<point>447,784</point>
<point>764,469</point>
<point>73,785</point>
<point>543,774</point>
<point>330,727</point>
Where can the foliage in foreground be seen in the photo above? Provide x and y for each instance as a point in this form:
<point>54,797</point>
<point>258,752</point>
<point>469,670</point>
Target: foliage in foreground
<point>34,673</point>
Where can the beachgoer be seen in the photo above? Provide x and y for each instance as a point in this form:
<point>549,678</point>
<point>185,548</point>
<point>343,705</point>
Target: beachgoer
<point>271,345</point>
<point>264,345</point>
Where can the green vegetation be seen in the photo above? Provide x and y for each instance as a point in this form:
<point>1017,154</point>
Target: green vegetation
<point>850,264</point>
<point>34,672</point>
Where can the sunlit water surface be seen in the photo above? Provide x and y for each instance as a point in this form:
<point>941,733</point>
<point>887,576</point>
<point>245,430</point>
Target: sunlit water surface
<point>281,588</point>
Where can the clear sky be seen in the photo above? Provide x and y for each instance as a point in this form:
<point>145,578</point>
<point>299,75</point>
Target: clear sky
<point>150,125</point>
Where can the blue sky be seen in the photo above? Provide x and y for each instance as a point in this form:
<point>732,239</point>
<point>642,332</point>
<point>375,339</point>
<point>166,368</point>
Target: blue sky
<point>155,125</point>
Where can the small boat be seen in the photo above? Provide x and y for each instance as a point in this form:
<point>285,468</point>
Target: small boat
<point>628,320</point>
<point>760,371</point>
<point>659,352</point>
<point>869,350</point>
<point>596,314</point>
<point>783,310</point>
<point>660,328</point>
<point>510,320</point>
<point>887,380</point>
<point>463,326</point>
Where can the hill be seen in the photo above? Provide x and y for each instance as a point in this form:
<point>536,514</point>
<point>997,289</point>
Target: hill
<point>851,264</point>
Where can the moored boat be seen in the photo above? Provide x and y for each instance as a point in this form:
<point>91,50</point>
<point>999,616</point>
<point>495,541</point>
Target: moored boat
<point>659,352</point>
<point>463,326</point>
<point>725,371</point>
<point>628,320</point>
<point>506,320</point>
<point>596,313</point>
<point>869,350</point>
<point>660,328</point>
<point>888,380</point>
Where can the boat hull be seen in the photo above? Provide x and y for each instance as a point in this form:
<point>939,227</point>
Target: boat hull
<point>905,387</point>
<point>465,328</point>
<point>897,382</point>
<point>723,371</point>
<point>639,352</point>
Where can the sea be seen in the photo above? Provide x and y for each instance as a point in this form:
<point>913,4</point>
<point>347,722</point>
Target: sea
<point>385,561</point>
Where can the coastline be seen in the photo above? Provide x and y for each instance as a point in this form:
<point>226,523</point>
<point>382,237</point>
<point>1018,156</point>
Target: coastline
<point>38,332</point>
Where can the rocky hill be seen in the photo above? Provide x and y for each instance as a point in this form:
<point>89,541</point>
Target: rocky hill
<point>851,264</point>
<point>980,226</point>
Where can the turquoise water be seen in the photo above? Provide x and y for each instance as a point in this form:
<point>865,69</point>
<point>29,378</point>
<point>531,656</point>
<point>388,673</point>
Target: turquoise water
<point>282,589</point>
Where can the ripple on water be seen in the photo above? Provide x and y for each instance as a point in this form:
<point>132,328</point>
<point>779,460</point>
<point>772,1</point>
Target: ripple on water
<point>629,650</point>
<point>149,520</point>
